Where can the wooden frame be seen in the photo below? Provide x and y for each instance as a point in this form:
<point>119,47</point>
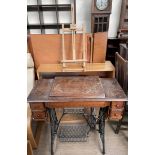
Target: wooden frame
<point>73,29</point>
<point>122,71</point>
<point>29,148</point>
<point>100,19</point>
<point>56,8</point>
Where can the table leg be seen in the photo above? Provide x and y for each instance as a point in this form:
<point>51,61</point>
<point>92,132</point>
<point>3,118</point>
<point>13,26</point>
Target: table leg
<point>120,121</point>
<point>92,119</point>
<point>54,127</point>
<point>102,115</point>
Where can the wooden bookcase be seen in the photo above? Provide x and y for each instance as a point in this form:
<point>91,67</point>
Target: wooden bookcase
<point>40,8</point>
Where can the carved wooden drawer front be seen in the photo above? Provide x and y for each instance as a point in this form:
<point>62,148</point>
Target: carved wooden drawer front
<point>116,110</point>
<point>117,105</point>
<point>115,115</point>
<point>39,115</point>
<point>37,106</point>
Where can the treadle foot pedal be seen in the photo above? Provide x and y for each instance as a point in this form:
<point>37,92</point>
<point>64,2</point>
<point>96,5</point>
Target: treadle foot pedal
<point>73,132</point>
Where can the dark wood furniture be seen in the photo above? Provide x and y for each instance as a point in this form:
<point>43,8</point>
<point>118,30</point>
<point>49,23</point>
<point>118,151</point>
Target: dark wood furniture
<point>43,104</point>
<point>116,45</point>
<point>122,72</point>
<point>124,15</point>
<point>112,48</point>
<point>123,51</point>
<point>123,27</point>
<point>100,18</point>
<point>122,77</point>
<point>40,8</point>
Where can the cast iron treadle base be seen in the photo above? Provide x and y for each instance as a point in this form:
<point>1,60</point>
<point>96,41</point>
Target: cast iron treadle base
<point>73,132</point>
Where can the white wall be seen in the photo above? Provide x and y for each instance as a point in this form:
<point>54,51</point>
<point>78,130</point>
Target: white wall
<point>114,18</point>
<point>83,15</point>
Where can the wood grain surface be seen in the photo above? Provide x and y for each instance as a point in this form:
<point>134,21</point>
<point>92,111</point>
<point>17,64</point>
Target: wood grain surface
<point>47,48</point>
<point>107,66</point>
<point>40,93</point>
<point>102,69</point>
<point>77,104</point>
<point>100,47</point>
<point>77,87</point>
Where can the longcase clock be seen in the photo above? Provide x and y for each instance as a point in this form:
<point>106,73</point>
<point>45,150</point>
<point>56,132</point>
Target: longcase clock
<point>101,10</point>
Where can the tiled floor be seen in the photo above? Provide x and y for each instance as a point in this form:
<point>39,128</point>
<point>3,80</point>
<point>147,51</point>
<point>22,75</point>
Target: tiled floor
<point>115,144</point>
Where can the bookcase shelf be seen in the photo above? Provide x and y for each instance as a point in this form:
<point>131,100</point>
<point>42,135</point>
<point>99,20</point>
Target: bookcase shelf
<point>40,8</point>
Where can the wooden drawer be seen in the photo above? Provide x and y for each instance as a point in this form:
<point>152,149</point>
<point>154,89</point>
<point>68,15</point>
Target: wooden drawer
<point>37,106</point>
<point>77,104</point>
<point>117,105</point>
<point>39,115</point>
<point>115,115</point>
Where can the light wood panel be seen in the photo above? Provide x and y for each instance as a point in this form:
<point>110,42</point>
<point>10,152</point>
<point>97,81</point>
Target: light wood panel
<point>100,47</point>
<point>29,148</point>
<point>47,48</point>
<point>90,67</point>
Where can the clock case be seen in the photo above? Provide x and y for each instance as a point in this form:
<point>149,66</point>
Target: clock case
<point>100,18</point>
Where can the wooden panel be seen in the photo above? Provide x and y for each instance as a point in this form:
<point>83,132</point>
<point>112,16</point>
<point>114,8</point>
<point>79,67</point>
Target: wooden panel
<point>117,105</point>
<point>100,47</point>
<point>107,66</point>
<point>77,87</point>
<point>39,115</point>
<point>37,106</point>
<point>115,115</point>
<point>116,110</point>
<point>49,75</point>
<point>47,48</point>
<point>40,93</point>
<point>100,23</point>
<point>113,90</point>
<point>77,104</point>
<point>41,90</point>
<point>101,69</point>
<point>122,72</point>
<point>124,51</point>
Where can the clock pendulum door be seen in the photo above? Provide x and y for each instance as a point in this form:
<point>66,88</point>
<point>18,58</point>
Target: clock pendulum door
<point>101,23</point>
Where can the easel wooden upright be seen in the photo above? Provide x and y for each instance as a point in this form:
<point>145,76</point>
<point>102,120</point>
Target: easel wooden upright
<point>73,29</point>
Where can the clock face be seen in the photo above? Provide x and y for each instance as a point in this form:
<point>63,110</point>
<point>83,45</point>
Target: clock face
<point>101,4</point>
